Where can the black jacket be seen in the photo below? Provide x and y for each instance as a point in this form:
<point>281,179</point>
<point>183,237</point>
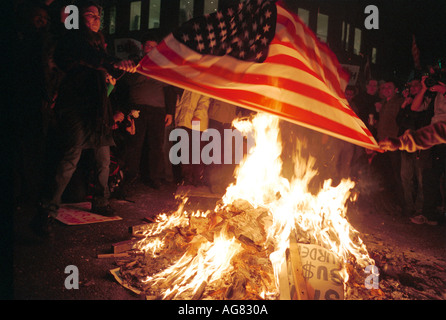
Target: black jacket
<point>82,107</point>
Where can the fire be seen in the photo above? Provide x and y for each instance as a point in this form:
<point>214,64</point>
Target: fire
<point>292,212</point>
<point>210,261</point>
<point>152,244</point>
<point>293,208</point>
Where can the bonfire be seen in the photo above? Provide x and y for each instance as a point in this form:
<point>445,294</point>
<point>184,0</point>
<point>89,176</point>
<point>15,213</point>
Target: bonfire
<point>251,245</point>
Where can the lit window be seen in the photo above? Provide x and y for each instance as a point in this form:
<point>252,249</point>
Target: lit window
<point>210,6</point>
<point>347,36</point>
<point>112,25</point>
<point>357,43</point>
<point>373,55</point>
<point>186,10</point>
<point>304,15</point>
<point>154,13</point>
<point>322,27</point>
<point>135,15</point>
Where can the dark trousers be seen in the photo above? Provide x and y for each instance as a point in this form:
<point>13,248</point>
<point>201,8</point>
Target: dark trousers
<point>193,171</point>
<point>144,150</point>
<point>412,168</point>
<point>219,176</point>
<point>388,165</point>
<point>172,171</point>
<point>67,166</point>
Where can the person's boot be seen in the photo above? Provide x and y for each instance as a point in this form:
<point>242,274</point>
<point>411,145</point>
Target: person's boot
<point>43,222</point>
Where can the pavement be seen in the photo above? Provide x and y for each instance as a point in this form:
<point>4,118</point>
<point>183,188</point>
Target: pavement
<point>39,266</point>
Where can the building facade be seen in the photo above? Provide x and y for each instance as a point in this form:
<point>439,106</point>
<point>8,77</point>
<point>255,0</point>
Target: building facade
<point>339,23</point>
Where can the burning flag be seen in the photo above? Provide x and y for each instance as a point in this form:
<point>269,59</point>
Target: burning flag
<point>259,56</point>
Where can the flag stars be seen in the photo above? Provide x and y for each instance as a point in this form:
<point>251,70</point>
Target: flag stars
<point>268,14</point>
<point>199,38</point>
<point>200,47</point>
<point>238,41</point>
<point>242,32</point>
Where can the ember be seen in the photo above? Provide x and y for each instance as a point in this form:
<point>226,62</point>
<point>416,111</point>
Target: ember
<point>239,249</point>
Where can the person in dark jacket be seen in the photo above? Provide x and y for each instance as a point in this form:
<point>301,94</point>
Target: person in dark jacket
<point>83,110</point>
<point>413,165</point>
<point>31,98</point>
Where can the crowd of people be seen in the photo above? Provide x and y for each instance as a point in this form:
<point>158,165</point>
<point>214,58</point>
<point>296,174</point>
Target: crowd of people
<point>409,126</point>
<point>79,111</point>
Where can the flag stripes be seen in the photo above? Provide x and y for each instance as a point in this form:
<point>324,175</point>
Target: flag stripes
<point>300,80</point>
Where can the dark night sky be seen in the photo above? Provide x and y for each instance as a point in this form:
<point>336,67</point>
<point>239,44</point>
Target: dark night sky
<point>425,19</point>
<point>399,19</point>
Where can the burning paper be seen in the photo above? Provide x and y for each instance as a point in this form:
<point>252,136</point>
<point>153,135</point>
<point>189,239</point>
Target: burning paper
<point>237,250</point>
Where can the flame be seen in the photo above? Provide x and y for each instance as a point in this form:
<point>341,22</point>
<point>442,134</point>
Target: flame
<point>151,243</point>
<point>207,265</point>
<point>293,209</point>
<point>292,206</point>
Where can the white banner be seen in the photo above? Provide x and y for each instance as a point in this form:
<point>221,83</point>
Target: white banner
<point>127,47</point>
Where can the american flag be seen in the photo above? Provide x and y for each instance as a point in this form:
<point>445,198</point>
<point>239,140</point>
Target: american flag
<point>259,56</point>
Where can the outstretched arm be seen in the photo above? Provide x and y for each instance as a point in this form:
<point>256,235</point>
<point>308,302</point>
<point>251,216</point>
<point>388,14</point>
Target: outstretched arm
<point>421,139</point>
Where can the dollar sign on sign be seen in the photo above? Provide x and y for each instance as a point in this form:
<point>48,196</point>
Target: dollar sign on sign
<point>307,273</point>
